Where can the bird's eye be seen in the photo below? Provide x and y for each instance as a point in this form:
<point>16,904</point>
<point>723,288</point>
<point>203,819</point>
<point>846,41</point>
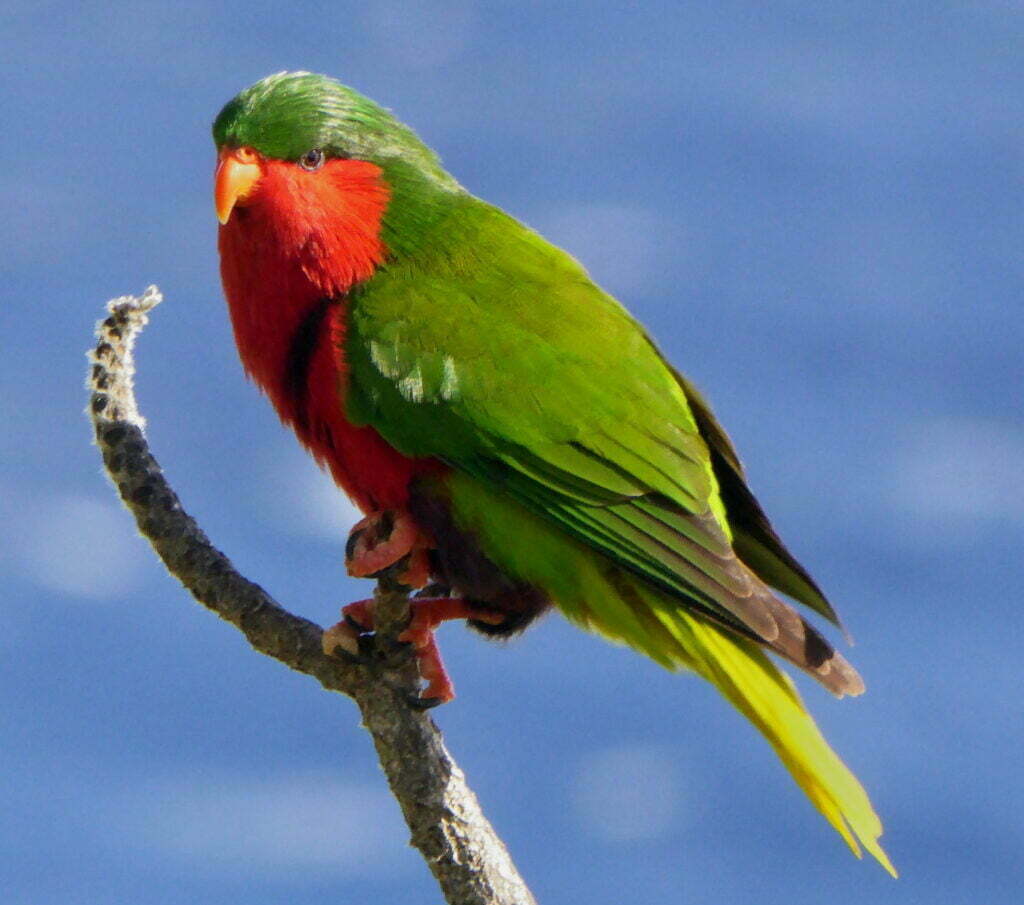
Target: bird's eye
<point>312,160</point>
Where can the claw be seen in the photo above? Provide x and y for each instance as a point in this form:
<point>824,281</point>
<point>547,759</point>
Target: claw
<point>427,613</point>
<point>353,639</point>
<point>359,616</point>
<point>386,540</point>
<point>422,703</point>
<point>415,572</point>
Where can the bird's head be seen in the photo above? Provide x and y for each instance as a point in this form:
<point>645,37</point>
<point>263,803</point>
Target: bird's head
<point>312,126</point>
<point>322,179</point>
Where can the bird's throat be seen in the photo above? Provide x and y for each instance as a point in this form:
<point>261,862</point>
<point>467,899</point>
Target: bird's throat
<point>289,257</point>
<point>301,238</point>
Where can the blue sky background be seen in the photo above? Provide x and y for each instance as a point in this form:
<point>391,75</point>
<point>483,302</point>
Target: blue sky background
<point>816,207</point>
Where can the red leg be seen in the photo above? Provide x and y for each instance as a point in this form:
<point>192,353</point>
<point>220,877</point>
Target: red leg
<point>382,539</point>
<point>426,614</point>
<point>439,684</point>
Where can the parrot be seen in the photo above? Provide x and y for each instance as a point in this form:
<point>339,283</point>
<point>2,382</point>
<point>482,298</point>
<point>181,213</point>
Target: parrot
<point>515,440</point>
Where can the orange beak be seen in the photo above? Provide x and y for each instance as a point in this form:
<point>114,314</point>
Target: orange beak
<point>238,171</point>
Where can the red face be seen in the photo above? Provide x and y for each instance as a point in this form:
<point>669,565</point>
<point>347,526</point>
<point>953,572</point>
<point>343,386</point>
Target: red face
<point>323,214</point>
<point>294,234</point>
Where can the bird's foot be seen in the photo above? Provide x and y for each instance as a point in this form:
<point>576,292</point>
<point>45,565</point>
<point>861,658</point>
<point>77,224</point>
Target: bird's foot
<point>348,640</point>
<point>426,614</point>
<point>388,540</point>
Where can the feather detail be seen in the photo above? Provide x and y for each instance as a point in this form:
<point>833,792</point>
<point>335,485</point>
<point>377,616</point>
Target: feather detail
<point>767,697</point>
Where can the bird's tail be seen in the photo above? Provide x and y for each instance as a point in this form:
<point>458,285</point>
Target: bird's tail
<point>740,670</point>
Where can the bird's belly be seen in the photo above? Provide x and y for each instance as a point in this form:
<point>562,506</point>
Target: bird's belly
<point>311,399</point>
<point>370,471</point>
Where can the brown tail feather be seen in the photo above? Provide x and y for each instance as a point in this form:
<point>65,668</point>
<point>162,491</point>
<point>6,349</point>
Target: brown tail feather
<point>804,646</point>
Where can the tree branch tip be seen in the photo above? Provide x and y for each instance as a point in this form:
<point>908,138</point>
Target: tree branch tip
<point>110,377</point>
<point>129,304</point>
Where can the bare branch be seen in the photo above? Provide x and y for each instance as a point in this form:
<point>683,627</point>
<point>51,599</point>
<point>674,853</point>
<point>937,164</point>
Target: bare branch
<point>466,856</point>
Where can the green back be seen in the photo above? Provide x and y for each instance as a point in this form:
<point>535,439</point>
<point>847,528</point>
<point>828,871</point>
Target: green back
<point>487,347</point>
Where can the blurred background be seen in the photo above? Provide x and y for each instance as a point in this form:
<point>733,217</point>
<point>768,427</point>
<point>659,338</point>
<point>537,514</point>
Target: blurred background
<point>816,208</point>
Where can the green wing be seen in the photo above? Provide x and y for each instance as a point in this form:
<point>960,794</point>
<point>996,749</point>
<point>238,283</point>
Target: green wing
<point>494,351</point>
<point>754,538</point>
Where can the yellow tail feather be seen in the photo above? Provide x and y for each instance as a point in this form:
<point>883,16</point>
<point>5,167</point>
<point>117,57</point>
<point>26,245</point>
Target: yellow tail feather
<point>768,698</point>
